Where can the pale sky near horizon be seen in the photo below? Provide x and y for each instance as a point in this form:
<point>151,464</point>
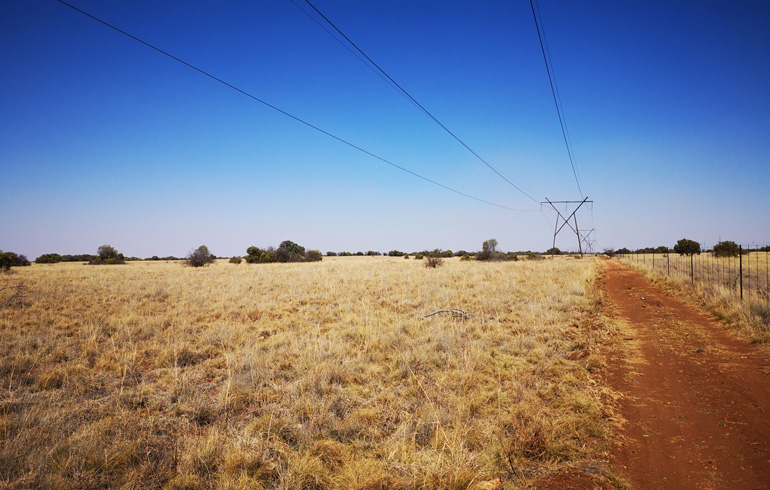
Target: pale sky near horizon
<point>106,141</point>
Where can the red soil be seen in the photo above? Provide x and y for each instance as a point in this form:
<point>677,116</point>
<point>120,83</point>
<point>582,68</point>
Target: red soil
<point>695,400</point>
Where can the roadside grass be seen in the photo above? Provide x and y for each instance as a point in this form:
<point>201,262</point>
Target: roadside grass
<point>749,317</point>
<point>301,376</point>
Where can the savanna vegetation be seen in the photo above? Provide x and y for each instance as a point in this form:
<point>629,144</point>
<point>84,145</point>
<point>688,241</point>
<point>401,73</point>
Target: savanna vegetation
<point>350,373</point>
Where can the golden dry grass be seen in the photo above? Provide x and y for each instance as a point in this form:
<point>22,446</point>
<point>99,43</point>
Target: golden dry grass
<point>299,376</point>
<point>716,285</point>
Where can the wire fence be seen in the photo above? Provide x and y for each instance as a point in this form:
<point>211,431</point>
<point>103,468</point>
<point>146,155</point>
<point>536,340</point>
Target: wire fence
<point>747,275</point>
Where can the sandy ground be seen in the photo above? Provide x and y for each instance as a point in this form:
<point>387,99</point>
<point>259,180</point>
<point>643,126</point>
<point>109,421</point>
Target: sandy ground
<point>695,400</point>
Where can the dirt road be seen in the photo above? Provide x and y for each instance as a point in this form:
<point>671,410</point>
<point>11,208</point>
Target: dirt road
<point>696,401</point>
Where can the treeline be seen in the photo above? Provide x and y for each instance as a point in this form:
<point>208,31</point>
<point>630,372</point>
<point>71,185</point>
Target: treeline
<point>685,246</point>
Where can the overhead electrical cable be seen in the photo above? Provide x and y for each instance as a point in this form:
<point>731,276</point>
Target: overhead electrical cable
<point>555,99</point>
<point>243,92</point>
<point>556,84</point>
<point>348,48</point>
<point>420,106</point>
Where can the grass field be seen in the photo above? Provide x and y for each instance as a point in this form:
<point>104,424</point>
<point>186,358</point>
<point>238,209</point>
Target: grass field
<point>300,376</point>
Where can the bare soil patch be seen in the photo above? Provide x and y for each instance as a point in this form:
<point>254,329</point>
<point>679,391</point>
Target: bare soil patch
<point>695,401</point>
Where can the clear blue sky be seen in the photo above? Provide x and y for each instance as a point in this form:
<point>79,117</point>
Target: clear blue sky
<point>105,141</point>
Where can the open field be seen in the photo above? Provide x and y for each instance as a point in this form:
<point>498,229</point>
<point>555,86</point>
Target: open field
<point>301,376</point>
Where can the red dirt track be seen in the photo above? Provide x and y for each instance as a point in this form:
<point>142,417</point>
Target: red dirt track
<point>695,401</point>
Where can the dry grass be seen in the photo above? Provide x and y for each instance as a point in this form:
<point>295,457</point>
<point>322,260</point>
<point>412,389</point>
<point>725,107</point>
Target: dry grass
<point>719,291</point>
<point>299,376</point>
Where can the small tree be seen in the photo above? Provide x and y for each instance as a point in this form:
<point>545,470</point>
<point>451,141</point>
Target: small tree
<point>553,251</point>
<point>10,259</point>
<point>235,260</point>
<point>687,247</point>
<point>199,257</point>
<point>107,255</point>
<point>488,250</point>
<point>726,249</point>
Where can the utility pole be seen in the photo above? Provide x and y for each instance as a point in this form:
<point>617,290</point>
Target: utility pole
<point>566,222</point>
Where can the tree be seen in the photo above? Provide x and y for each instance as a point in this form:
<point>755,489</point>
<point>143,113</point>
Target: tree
<point>489,245</point>
<point>10,259</point>
<point>235,260</point>
<point>488,250</point>
<point>199,257</point>
<point>107,255</point>
<point>687,247</point>
<point>726,249</point>
<point>289,251</point>
<point>553,251</point>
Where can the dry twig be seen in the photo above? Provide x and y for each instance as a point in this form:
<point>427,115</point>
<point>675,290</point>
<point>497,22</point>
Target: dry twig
<point>453,311</point>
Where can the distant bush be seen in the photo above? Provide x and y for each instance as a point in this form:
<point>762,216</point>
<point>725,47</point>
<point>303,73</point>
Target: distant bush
<point>359,254</point>
<point>255,255</point>
<point>466,256</point>
<point>687,247</point>
<point>107,255</point>
<point>726,249</point>
<point>433,262</point>
<point>287,251</point>
<point>488,251</point>
<point>314,256</point>
<point>11,259</point>
<point>460,253</point>
<point>199,257</point>
<point>418,256</point>
<point>49,259</point>
<point>372,253</point>
<point>395,253</point>
<point>553,251</point>
<point>331,254</point>
<point>236,260</point>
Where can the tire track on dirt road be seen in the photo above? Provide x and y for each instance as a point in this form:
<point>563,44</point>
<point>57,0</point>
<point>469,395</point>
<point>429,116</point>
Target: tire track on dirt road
<point>695,401</point>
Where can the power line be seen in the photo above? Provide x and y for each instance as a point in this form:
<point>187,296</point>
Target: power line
<point>555,98</point>
<point>243,92</point>
<point>420,106</point>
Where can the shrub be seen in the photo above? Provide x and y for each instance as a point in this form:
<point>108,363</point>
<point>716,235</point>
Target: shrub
<point>553,251</point>
<point>10,259</point>
<point>726,249</point>
<point>331,254</point>
<point>49,259</point>
<point>236,260</point>
<point>107,255</point>
<point>488,251</point>
<point>199,257</point>
<point>395,253</point>
<point>467,256</point>
<point>314,256</point>
<point>433,262</point>
<point>418,256</point>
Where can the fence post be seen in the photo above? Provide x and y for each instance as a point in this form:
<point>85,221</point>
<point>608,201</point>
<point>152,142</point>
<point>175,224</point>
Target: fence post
<point>692,270</point>
<point>740,267</point>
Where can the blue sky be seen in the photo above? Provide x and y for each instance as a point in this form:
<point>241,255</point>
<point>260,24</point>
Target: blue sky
<point>105,141</point>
